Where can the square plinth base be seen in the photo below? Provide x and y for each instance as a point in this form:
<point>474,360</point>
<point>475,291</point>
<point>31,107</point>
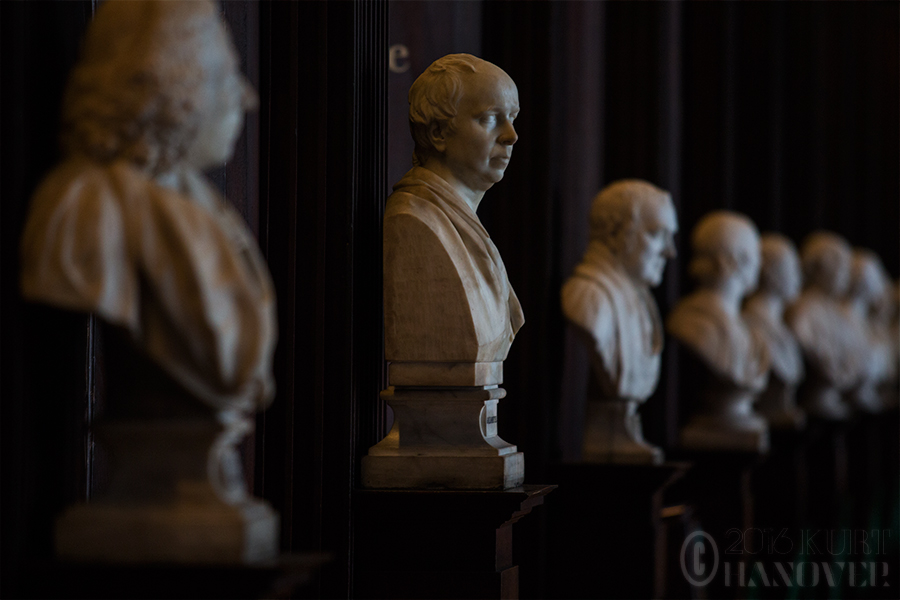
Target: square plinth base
<point>179,534</point>
<point>444,472</point>
<point>704,437</point>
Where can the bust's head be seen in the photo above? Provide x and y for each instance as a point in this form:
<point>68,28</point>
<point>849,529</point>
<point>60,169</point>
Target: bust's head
<point>157,84</point>
<point>780,274</point>
<point>826,258</point>
<point>461,113</point>
<point>868,279</point>
<point>636,222</point>
<point>726,251</point>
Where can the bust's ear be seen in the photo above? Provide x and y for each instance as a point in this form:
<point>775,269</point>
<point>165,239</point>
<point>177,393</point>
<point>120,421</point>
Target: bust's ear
<point>437,135</point>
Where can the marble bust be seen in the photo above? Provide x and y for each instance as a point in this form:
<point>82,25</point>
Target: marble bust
<point>867,289</point>
<point>822,327</point>
<point>779,285</point>
<point>732,363</point>
<point>450,313</point>
<point>126,227</point>
<point>607,300</point>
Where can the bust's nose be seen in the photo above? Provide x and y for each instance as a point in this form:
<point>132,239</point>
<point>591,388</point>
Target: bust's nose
<point>508,136</point>
<point>670,251</point>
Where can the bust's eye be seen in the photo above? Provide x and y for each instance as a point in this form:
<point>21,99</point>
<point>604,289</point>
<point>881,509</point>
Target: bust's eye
<point>488,119</point>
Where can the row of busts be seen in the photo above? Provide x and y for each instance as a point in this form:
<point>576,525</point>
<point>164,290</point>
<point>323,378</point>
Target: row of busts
<point>762,322</point>
<point>844,321</point>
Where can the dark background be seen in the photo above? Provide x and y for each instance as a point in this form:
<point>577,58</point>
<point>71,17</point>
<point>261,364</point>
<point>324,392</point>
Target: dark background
<point>786,111</point>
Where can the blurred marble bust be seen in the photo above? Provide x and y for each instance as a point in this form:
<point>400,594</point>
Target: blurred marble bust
<point>732,363</point>
<point>607,300</point>
<point>450,311</point>
<point>822,327</point>
<point>126,227</point>
<point>779,284</point>
<point>867,290</point>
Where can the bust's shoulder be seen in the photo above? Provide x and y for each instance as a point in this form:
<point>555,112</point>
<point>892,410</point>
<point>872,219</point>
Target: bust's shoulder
<point>695,322</point>
<point>408,207</point>
<point>587,303</point>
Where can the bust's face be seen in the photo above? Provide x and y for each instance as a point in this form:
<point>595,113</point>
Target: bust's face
<point>651,243</point>
<point>786,275</point>
<point>867,282</point>
<point>220,122</point>
<point>747,272</point>
<point>478,145</point>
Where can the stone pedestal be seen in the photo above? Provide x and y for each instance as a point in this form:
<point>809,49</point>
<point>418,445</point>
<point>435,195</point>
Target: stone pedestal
<point>613,434</point>
<point>175,495</point>
<point>438,544</point>
<point>822,401</point>
<point>777,405</point>
<point>604,530</point>
<point>727,424</point>
<point>443,438</point>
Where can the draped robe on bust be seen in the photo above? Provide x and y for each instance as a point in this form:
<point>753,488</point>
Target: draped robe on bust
<point>174,267</point>
<point>447,297</point>
<point>721,341</point>
<point>622,320</point>
<point>826,337</point>
<point>786,359</point>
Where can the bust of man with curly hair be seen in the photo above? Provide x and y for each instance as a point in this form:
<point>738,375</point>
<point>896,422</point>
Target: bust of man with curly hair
<point>450,312</point>
<point>127,228</point>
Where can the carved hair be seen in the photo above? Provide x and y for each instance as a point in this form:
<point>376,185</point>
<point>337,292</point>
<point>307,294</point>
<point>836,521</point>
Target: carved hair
<point>146,73</point>
<point>617,210</point>
<point>777,252</point>
<point>826,260</point>
<point>868,279</point>
<point>434,98</point>
<point>723,242</point>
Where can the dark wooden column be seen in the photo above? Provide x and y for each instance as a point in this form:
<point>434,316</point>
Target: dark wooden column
<point>46,368</point>
<point>323,92</point>
<point>439,543</point>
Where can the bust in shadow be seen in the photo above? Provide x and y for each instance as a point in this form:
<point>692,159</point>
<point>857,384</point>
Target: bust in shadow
<point>822,327</point>
<point>867,291</point>
<point>779,284</point>
<point>731,363</point>
<point>126,227</point>
<point>608,302</point>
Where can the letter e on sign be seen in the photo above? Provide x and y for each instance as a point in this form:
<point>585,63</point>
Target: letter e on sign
<point>397,62</point>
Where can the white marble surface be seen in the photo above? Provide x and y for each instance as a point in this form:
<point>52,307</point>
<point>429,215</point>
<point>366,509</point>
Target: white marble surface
<point>450,313</point>
<point>607,300</point>
<point>127,227</point>
<point>822,327</point>
<point>868,287</point>
<point>779,284</point>
<point>708,323</point>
